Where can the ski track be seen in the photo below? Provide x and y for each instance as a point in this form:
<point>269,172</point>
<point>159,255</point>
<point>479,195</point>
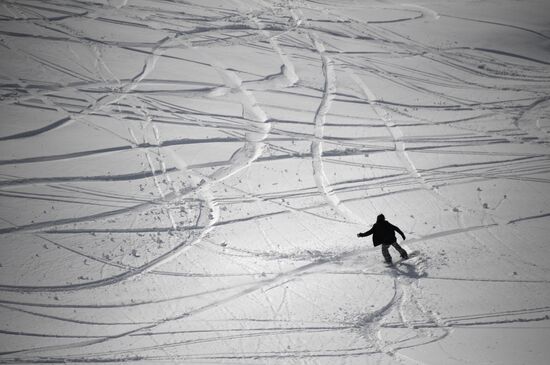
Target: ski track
<point>321,179</point>
<point>180,206</point>
<point>329,91</point>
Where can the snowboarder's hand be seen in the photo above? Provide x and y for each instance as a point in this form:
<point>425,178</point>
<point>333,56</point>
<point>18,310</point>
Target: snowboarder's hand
<point>358,234</point>
<point>404,238</point>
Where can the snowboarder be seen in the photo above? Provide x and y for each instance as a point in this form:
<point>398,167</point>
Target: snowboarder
<point>383,233</point>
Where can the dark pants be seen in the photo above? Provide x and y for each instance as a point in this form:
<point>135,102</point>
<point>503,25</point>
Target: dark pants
<point>386,253</point>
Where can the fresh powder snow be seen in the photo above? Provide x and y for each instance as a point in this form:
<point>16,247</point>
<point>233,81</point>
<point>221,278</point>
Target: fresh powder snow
<point>183,182</point>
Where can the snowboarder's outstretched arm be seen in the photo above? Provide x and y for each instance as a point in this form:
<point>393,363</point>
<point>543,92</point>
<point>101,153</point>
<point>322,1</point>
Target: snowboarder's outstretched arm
<point>399,231</point>
<point>365,234</point>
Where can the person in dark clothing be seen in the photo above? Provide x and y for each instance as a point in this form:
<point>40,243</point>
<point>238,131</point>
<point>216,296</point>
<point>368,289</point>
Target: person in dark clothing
<point>383,233</point>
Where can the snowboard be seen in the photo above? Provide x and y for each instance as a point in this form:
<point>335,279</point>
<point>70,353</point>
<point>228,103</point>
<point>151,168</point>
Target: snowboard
<point>400,260</point>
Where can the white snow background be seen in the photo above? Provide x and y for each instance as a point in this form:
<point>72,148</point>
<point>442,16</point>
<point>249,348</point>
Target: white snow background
<point>183,181</point>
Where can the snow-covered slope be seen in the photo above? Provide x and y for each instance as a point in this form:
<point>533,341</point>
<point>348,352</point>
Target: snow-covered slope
<point>183,181</point>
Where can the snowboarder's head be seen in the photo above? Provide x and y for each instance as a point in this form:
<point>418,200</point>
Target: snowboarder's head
<point>380,218</point>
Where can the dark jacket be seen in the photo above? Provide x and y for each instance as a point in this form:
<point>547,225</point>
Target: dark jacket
<point>383,232</point>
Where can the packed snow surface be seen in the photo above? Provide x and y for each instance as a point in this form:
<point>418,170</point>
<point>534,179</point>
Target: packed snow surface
<point>183,181</point>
